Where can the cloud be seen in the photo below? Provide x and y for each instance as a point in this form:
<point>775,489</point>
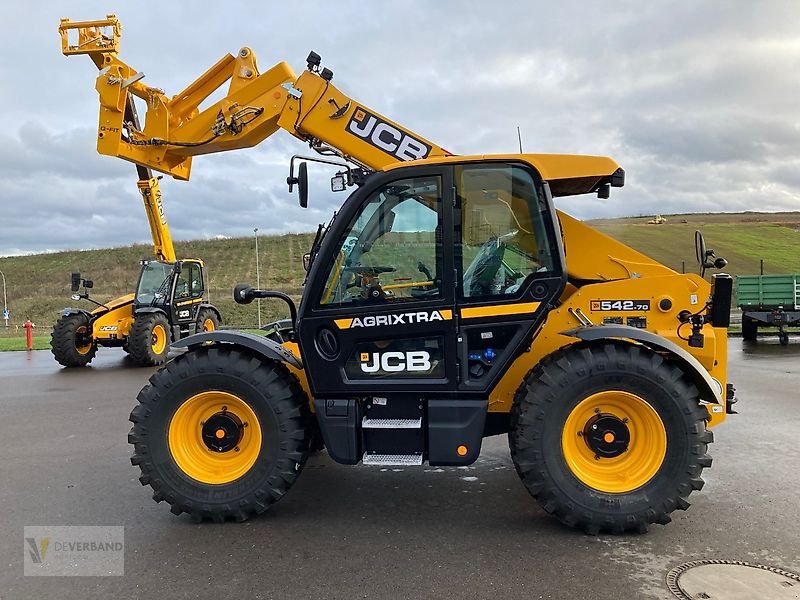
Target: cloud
<point>697,101</point>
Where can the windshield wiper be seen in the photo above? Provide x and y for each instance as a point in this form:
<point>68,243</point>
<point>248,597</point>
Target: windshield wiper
<point>160,289</point>
<point>322,231</point>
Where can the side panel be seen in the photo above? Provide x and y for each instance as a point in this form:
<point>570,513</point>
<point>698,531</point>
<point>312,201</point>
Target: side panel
<point>114,325</point>
<point>684,292</point>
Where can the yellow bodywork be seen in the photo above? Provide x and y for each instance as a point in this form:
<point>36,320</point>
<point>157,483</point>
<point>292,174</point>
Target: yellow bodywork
<point>115,323</point>
<point>312,109</point>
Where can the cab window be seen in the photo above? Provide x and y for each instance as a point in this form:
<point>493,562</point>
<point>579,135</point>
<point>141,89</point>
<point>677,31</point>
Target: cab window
<point>392,250</point>
<point>183,283</point>
<point>196,280</point>
<point>503,237</point>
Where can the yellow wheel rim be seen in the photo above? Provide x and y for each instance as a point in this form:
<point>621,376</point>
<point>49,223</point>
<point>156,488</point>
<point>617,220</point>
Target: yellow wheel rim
<point>159,339</point>
<point>614,414</point>
<point>208,325</point>
<point>190,448</point>
<point>86,348</point>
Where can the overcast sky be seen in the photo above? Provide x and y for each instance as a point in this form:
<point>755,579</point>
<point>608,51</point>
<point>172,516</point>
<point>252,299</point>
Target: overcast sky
<point>698,101</point>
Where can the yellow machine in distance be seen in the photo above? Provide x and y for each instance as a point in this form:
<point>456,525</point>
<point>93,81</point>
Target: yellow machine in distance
<point>170,298</point>
<point>446,301</point>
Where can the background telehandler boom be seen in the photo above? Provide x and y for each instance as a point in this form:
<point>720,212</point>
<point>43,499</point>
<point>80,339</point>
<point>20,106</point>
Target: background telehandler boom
<point>170,299</point>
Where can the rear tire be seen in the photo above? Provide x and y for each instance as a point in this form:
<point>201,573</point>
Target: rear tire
<point>749,329</point>
<point>207,320</point>
<point>148,343</point>
<point>71,341</point>
<point>232,483</point>
<point>556,446</point>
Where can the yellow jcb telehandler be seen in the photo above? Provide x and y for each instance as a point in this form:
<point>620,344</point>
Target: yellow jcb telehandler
<point>447,300</point>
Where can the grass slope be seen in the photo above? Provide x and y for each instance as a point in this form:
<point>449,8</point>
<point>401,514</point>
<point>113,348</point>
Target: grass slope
<point>38,285</point>
<point>744,239</point>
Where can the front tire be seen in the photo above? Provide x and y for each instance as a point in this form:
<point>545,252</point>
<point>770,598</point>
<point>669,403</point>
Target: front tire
<point>148,343</point>
<point>71,342</point>
<point>220,433</point>
<point>609,438</point>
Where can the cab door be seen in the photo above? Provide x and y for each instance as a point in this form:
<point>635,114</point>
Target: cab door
<point>187,296</point>
<point>378,313</point>
<point>509,266</point>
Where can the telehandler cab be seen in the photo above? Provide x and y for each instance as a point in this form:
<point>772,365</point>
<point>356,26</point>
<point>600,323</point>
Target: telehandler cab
<point>446,301</point>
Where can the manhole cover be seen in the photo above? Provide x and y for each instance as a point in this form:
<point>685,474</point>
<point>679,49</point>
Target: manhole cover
<point>732,580</point>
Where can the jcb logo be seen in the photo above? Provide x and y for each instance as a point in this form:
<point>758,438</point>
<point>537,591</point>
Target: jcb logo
<point>385,136</point>
<point>395,362</point>
<point>160,206</point>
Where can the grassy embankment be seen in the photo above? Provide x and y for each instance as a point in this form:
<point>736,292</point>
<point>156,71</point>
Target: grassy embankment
<point>38,285</point>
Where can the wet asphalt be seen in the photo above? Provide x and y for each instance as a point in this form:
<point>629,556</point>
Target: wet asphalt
<point>368,532</point>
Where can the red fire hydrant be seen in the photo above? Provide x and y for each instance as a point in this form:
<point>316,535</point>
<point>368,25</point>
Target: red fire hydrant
<point>29,334</point>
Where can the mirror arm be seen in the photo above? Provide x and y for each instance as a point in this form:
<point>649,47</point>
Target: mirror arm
<point>93,301</point>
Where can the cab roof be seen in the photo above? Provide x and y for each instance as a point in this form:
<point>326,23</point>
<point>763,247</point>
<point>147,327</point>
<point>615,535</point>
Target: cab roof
<point>567,174</point>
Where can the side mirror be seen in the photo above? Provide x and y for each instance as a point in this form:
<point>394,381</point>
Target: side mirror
<point>604,191</point>
<point>306,261</point>
<point>301,181</point>
<point>700,247</point>
<point>88,284</point>
<point>705,257</point>
<point>76,281</point>
<point>302,184</point>
<point>243,293</point>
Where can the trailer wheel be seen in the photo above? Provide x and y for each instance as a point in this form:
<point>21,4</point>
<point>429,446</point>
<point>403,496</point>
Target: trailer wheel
<point>783,338</point>
<point>148,342</point>
<point>609,437</point>
<point>749,329</point>
<point>71,342</point>
<point>219,433</point>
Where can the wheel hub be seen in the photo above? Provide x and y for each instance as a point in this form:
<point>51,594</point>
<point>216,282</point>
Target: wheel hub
<point>222,432</point>
<point>607,436</point>
<point>614,441</point>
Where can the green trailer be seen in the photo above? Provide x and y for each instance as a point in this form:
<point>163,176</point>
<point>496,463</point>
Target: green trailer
<point>768,301</point>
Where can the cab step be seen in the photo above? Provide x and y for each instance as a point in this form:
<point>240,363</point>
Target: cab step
<point>368,423</point>
<point>397,460</point>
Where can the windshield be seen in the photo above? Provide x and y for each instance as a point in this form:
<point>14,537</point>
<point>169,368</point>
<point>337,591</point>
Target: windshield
<point>154,279</point>
<point>392,250</point>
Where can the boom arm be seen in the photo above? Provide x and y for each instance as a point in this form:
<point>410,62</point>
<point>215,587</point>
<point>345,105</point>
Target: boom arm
<point>310,108</point>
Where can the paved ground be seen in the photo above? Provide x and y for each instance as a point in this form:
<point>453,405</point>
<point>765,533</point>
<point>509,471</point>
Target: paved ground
<point>347,532</point>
